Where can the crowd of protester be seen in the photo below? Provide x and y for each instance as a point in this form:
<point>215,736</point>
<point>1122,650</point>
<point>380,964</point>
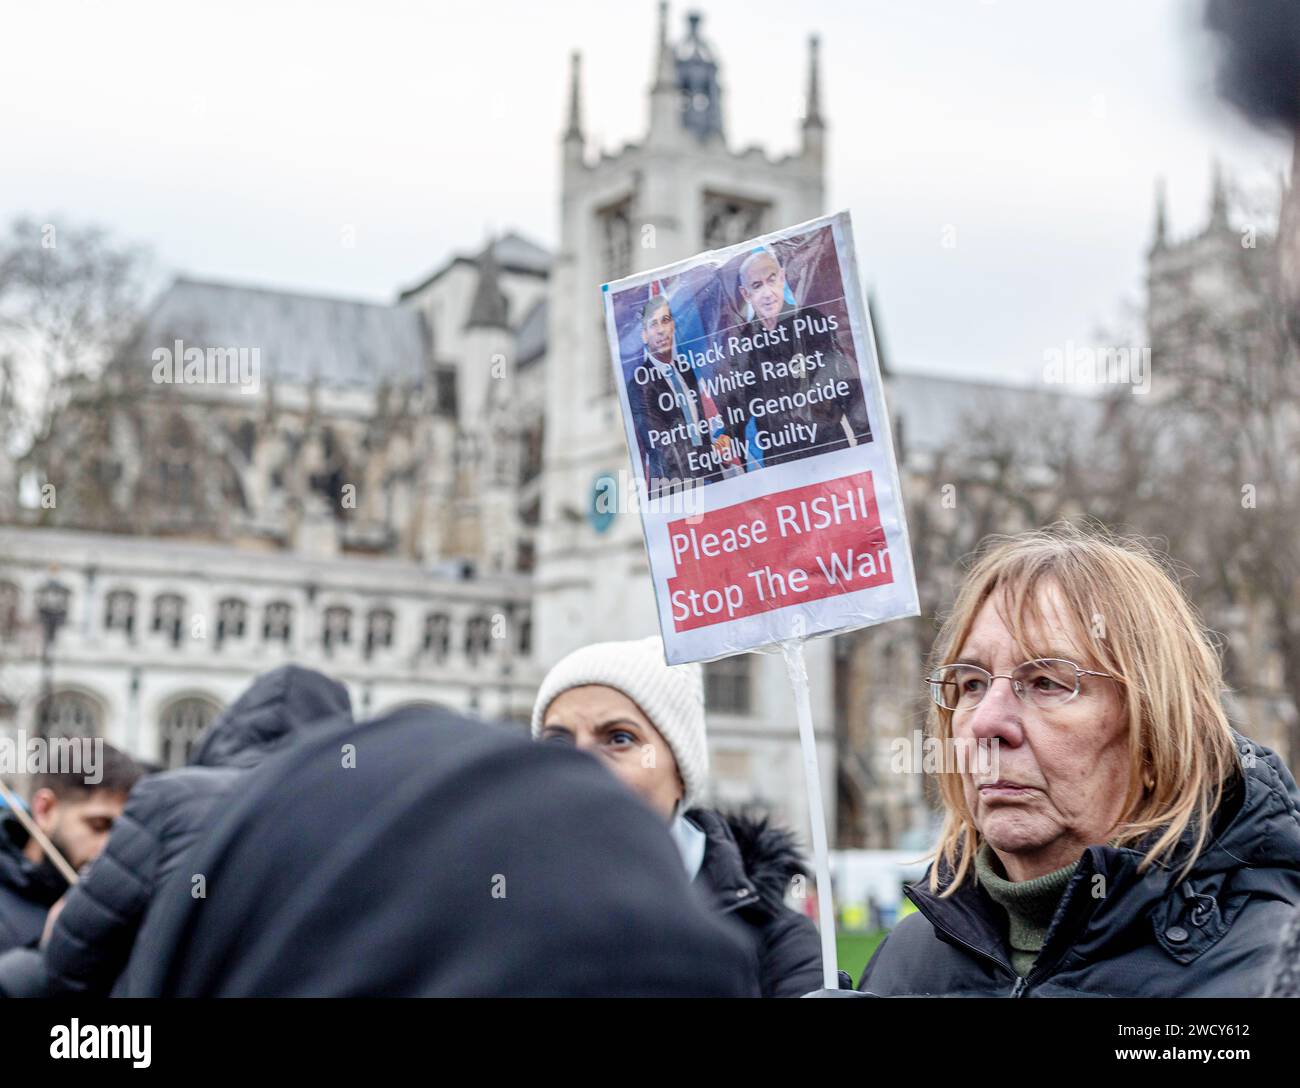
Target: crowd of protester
<point>1131,842</point>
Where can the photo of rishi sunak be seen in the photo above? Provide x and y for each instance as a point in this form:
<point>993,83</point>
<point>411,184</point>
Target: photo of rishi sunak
<point>680,432</point>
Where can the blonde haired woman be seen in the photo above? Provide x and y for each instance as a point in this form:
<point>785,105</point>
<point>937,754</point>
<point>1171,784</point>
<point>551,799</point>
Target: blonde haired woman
<point>1117,838</point>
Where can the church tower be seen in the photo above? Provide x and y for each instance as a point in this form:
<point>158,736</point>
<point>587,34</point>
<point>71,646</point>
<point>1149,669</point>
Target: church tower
<point>682,188</point>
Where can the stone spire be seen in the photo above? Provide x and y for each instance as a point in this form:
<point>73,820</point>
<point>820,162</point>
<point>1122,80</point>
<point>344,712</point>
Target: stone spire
<point>813,109</point>
<point>574,131</point>
<point>1218,199</point>
<point>1160,239</point>
<point>665,69</point>
<point>665,110</point>
<point>814,126</point>
<point>489,309</point>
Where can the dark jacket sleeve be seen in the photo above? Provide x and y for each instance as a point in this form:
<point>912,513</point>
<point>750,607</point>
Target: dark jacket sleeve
<point>790,956</point>
<point>93,936</point>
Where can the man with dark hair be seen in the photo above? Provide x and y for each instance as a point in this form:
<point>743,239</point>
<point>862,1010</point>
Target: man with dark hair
<point>90,940</point>
<point>681,433</point>
<point>76,811</point>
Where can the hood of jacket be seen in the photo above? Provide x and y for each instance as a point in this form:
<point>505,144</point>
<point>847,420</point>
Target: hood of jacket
<point>748,863</point>
<point>393,856</point>
<point>1108,905</point>
<point>269,716</point>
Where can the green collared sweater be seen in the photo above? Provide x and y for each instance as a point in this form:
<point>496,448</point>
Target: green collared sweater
<point>1030,904</point>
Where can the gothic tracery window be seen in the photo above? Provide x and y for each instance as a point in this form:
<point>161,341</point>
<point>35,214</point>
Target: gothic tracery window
<point>232,616</point>
<point>478,637</point>
<point>182,723</point>
<point>277,622</point>
<point>69,714</point>
<point>379,629</point>
<point>337,630</point>
<point>616,241</point>
<point>437,634</point>
<point>175,466</point>
<point>168,616</point>
<point>9,597</point>
<point>119,612</point>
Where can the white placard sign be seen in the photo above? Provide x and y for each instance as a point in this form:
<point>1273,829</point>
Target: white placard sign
<point>760,443</point>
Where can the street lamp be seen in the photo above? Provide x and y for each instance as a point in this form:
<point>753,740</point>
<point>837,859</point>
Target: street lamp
<point>506,665</point>
<point>52,608</point>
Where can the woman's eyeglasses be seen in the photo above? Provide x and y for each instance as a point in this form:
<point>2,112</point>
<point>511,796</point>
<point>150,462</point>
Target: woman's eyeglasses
<point>1045,683</point>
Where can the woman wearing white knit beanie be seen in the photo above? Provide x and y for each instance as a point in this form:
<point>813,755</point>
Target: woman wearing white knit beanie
<point>644,720</point>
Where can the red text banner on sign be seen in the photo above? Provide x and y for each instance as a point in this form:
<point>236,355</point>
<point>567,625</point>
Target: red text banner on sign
<point>790,547</point>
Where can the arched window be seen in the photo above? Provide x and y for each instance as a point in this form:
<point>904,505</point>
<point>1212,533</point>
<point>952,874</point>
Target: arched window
<point>246,438</point>
<point>277,622</point>
<point>338,627</point>
<point>176,466</point>
<point>168,616</point>
<point>182,722</point>
<point>69,714</point>
<point>379,630</point>
<point>232,616</point>
<point>9,598</point>
<point>478,637</point>
<point>616,240</point>
<point>119,611</point>
<point>437,634</point>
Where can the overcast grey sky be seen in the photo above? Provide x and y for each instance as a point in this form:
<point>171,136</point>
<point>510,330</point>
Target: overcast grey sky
<point>239,140</point>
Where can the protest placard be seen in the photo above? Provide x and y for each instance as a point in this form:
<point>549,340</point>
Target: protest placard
<point>760,443</point>
<point>761,450</point>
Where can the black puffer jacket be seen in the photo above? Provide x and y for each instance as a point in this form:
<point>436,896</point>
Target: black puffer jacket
<point>93,935</point>
<point>1126,935</point>
<point>747,867</point>
<point>455,859</point>
<point>27,889</point>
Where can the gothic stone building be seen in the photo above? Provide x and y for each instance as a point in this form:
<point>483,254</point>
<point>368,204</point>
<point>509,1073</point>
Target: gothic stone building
<point>404,495</point>
<point>399,494</point>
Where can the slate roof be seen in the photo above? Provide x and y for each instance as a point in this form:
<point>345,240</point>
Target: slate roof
<point>339,342</point>
<point>935,409</point>
<point>489,307</point>
<point>531,334</point>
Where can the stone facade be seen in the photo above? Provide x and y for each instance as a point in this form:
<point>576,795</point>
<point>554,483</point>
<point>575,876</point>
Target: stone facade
<point>403,497</point>
<point>395,494</point>
<point>678,190</point>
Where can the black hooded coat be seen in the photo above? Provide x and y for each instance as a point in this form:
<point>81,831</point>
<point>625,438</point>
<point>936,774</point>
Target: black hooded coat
<point>747,868</point>
<point>165,814</point>
<point>425,854</point>
<point>1121,933</point>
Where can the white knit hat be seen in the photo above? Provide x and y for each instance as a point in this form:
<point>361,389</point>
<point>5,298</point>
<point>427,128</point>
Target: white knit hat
<point>670,696</point>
